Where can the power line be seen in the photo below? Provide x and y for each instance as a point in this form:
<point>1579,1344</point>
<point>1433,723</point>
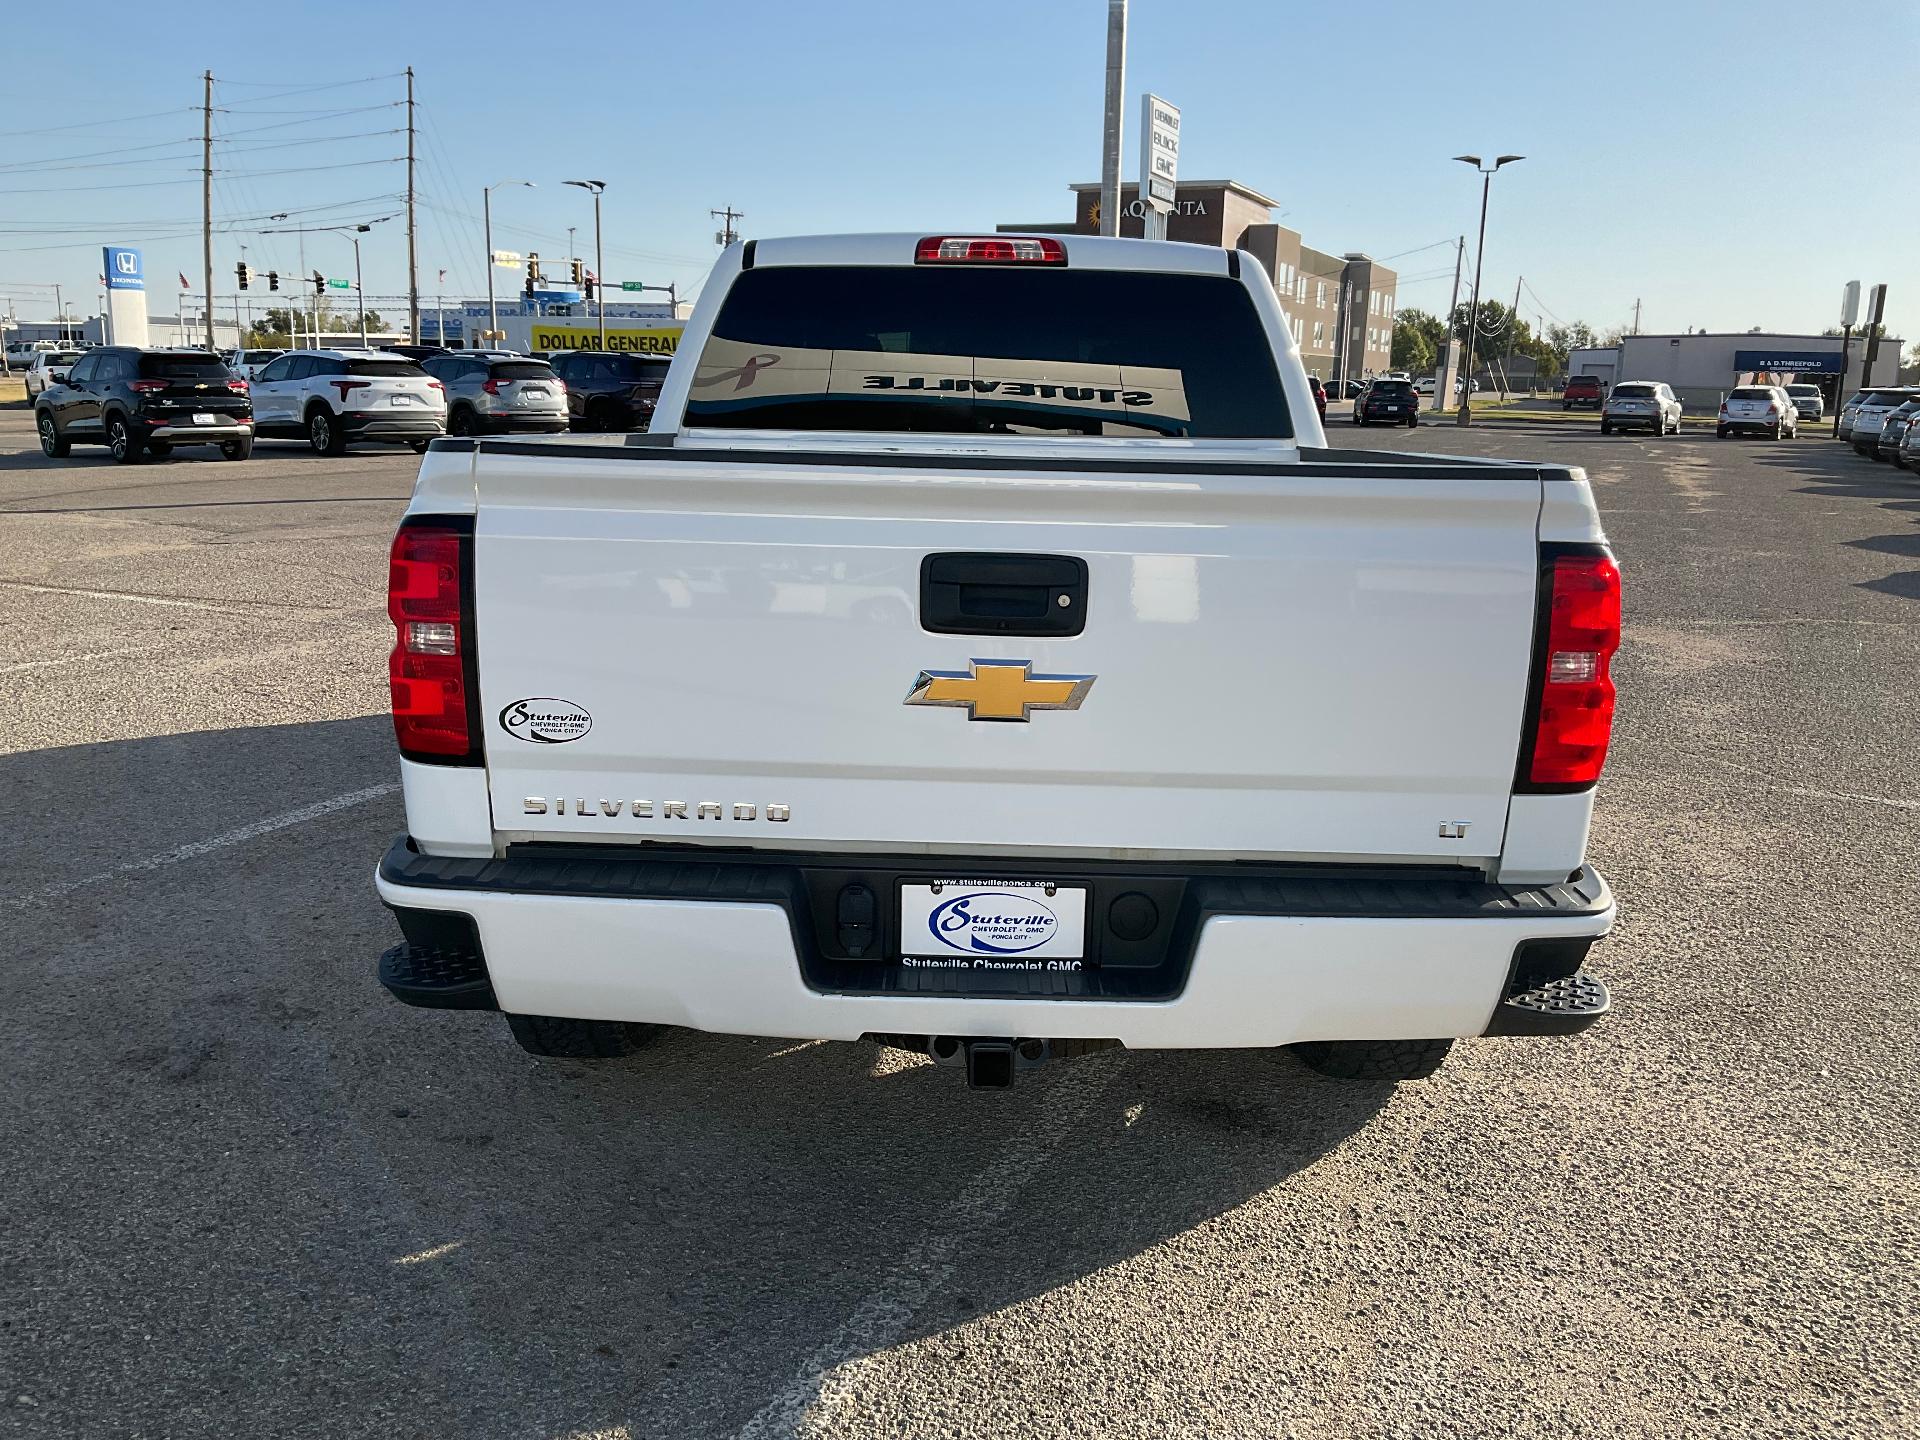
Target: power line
<point>97,124</point>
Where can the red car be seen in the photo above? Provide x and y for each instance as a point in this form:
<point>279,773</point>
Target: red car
<point>1583,390</point>
<point>1319,396</point>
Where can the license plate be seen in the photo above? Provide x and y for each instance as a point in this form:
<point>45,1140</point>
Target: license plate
<point>534,392</point>
<point>993,924</point>
<point>403,400</point>
<point>201,417</point>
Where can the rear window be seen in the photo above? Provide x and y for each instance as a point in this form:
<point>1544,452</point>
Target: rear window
<point>989,350</point>
<point>520,370</point>
<point>60,357</point>
<point>1584,382</point>
<point>182,367</point>
<point>1797,390</point>
<point>1633,392</point>
<point>393,368</point>
<point>637,371</point>
<point>1887,397</point>
<point>1750,392</point>
<point>1393,387</point>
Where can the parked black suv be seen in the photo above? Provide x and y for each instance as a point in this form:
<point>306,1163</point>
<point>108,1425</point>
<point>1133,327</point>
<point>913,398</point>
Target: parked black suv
<point>1390,400</point>
<point>145,402</point>
<point>610,392</point>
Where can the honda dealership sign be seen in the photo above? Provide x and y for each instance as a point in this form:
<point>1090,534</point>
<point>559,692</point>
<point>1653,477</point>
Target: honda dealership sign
<point>126,282</point>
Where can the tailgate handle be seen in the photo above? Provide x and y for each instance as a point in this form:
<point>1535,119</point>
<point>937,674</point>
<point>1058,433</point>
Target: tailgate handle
<point>967,593</point>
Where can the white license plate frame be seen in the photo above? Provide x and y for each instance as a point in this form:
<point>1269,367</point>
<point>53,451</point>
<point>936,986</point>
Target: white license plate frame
<point>993,923</point>
<point>205,417</point>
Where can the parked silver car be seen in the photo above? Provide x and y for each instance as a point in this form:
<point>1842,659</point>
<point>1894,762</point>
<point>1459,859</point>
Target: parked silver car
<point>486,394</point>
<point>1907,457</point>
<point>1894,429</point>
<point>1808,400</point>
<point>1871,413</point>
<point>1847,411</point>
<point>1648,403</point>
<point>1763,408</point>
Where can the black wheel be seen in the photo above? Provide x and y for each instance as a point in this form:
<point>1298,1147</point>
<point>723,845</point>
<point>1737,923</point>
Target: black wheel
<point>553,1036</point>
<point>325,434</point>
<point>1412,421</point>
<point>122,442</point>
<point>419,447</point>
<point>460,422</point>
<point>1606,427</point>
<point>600,418</point>
<point>236,449</point>
<point>1720,431</point>
<point>1388,1060</point>
<point>52,444</point>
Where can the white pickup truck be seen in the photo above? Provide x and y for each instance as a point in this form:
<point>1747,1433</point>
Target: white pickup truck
<point>983,653</point>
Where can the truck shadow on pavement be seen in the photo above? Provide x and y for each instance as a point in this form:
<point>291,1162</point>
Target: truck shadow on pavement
<point>313,1201</point>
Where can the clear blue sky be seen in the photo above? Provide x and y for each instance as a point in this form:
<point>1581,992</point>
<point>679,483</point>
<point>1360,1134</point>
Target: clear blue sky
<point>1696,156</point>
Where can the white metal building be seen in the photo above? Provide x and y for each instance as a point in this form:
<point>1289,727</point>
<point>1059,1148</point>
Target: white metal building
<point>1701,367</point>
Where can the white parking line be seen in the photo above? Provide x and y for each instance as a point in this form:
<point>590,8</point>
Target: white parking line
<point>828,1380</point>
<point>204,847</point>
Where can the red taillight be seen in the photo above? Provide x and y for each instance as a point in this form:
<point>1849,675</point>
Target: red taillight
<point>983,250</point>
<point>492,387</point>
<point>237,385</point>
<point>1573,718</point>
<point>432,644</point>
<point>343,386</point>
<point>146,387</point>
<point>435,385</point>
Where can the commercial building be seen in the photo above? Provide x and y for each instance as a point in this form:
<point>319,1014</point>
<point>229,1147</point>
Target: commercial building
<point>163,331</point>
<point>1701,367</point>
<point>1341,307</point>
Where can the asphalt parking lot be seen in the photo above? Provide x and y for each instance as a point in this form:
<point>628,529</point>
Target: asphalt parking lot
<point>245,1193</point>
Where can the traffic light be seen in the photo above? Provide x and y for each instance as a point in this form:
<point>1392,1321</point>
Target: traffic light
<point>244,272</point>
<point>319,283</point>
<point>273,280</point>
<point>590,285</point>
<point>533,270</point>
<point>579,275</point>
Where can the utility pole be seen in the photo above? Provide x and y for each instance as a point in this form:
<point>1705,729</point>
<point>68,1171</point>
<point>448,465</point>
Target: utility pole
<point>60,313</point>
<point>1840,390</point>
<point>1636,317</point>
<point>413,250</point>
<point>1116,102</point>
<point>1513,327</point>
<point>1440,398</point>
<point>726,217</point>
<point>206,196</point>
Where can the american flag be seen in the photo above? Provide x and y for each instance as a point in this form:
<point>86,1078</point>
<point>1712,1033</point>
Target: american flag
<point>185,284</point>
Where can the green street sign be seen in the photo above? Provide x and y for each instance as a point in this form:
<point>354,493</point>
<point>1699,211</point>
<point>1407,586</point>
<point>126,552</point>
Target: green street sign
<point>631,285</point>
<point>339,285</point>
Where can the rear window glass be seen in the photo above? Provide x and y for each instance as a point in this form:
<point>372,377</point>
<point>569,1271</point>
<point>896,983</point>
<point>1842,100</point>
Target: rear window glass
<point>396,368</point>
<point>989,350</point>
<point>1803,389</point>
<point>1633,392</point>
<point>1393,387</point>
<point>181,367</point>
<point>1750,392</point>
<point>636,370</point>
<point>520,370</point>
<point>1887,397</point>
<point>1583,382</point>
<point>60,357</point>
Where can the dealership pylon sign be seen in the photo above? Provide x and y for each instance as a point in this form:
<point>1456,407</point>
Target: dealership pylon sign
<point>1159,162</point>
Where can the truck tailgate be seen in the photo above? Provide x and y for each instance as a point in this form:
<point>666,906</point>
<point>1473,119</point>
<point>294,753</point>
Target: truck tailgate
<point>1290,661</point>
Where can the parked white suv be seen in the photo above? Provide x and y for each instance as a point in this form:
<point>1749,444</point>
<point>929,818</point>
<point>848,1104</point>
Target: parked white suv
<point>48,368</point>
<point>332,397</point>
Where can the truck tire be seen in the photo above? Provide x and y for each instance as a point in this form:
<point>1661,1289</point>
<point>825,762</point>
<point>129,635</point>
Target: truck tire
<point>556,1037</point>
<point>1388,1060</point>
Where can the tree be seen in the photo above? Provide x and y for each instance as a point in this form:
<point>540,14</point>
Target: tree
<point>1416,340</point>
<point>1490,342</point>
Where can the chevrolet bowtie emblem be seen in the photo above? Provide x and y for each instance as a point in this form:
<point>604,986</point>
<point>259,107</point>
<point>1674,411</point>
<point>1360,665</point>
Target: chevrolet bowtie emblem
<point>999,689</point>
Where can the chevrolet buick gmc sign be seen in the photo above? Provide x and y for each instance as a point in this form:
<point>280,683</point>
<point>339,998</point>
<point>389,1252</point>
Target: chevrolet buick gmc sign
<point>1787,362</point>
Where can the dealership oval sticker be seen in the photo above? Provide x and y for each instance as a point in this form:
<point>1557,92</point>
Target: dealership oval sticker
<point>992,922</point>
<point>546,720</point>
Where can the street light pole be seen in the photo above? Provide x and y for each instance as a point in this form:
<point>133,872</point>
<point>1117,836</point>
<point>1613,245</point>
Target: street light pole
<point>359,290</point>
<point>486,206</point>
<point>1465,417</point>
<point>599,256</point>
